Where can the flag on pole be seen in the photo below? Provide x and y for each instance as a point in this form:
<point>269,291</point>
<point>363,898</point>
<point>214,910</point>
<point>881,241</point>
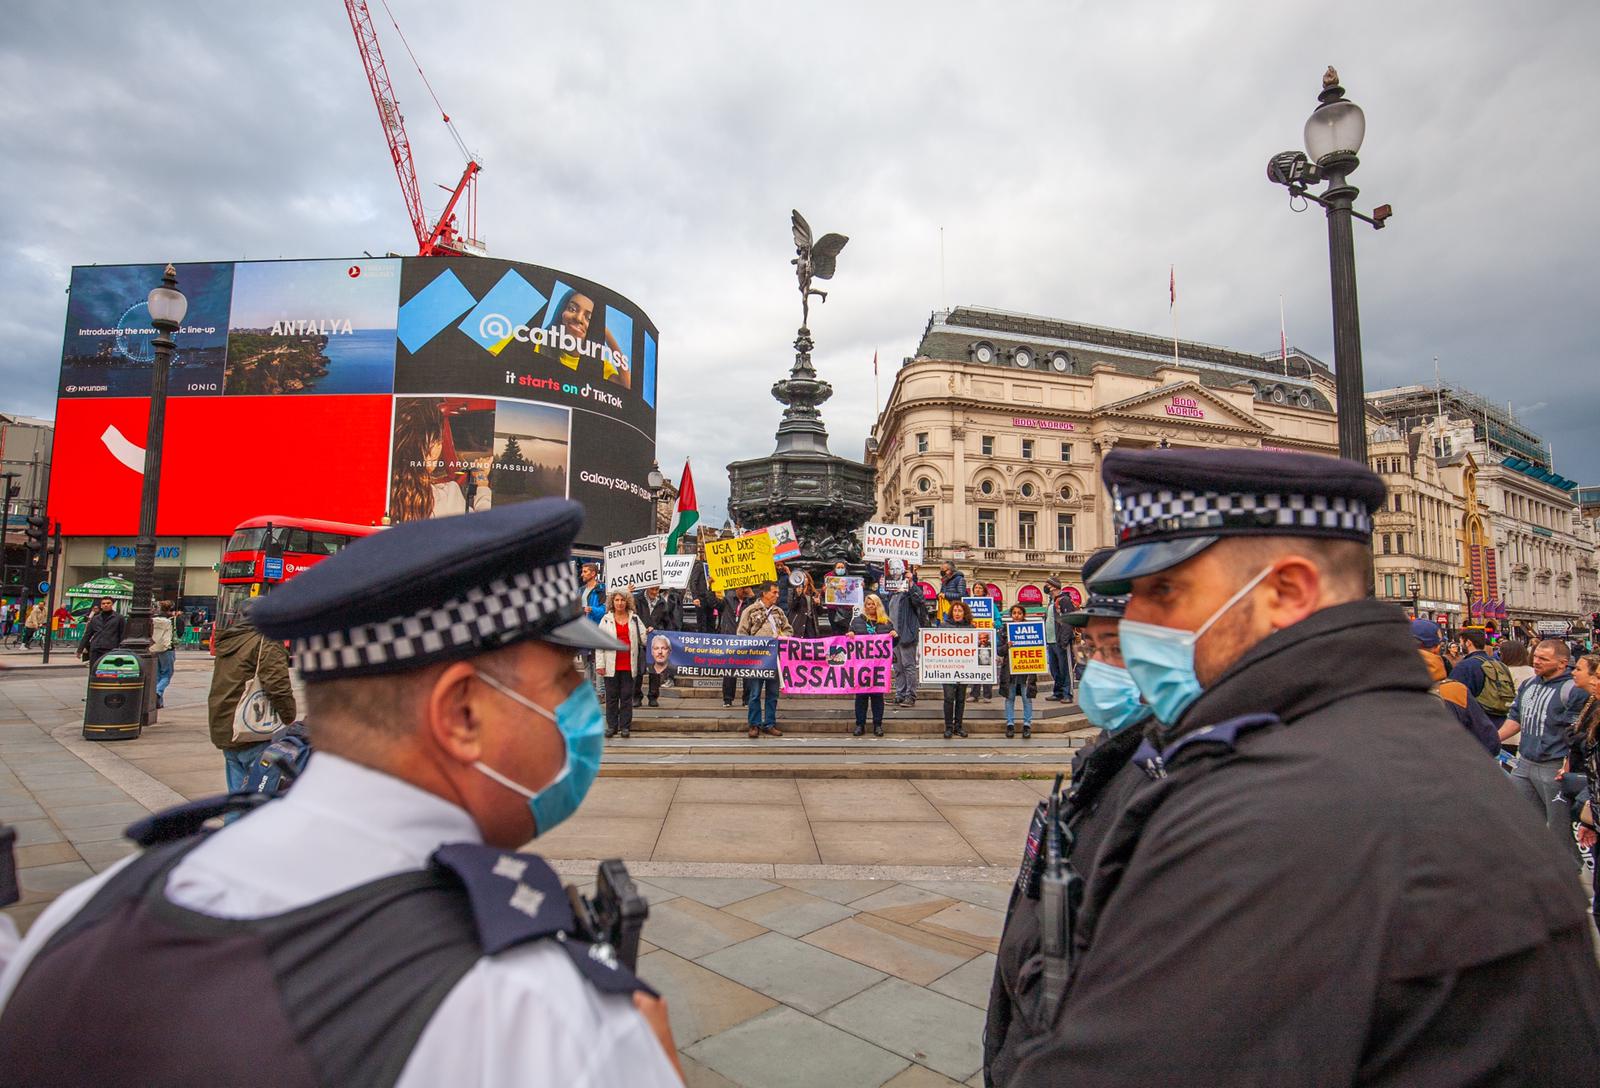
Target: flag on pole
<point>1172,286</point>
<point>688,512</point>
<point>1283,338</point>
<point>874,364</point>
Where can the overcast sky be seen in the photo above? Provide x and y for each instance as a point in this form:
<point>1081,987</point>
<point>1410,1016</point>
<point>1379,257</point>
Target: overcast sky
<point>1071,152</point>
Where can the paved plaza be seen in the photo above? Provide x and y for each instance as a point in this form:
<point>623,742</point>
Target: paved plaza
<point>805,931</point>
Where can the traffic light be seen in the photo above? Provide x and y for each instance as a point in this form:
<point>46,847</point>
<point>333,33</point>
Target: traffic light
<point>36,534</point>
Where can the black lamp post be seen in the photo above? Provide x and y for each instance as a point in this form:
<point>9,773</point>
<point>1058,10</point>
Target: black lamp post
<point>167,307</point>
<point>1333,135</point>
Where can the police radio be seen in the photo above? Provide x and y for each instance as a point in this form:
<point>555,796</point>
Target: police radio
<point>616,913</point>
<point>1060,896</point>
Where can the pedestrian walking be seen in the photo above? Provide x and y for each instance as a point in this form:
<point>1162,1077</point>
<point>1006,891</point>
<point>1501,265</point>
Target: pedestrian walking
<point>907,615</point>
<point>374,925</point>
<point>873,620</point>
<point>1104,776</point>
<point>1485,677</point>
<point>763,618</point>
<point>955,695</point>
<point>8,619</point>
<point>243,656</point>
<point>103,633</point>
<point>161,645</point>
<point>1015,687</point>
<point>1455,695</point>
<point>1544,711</point>
<point>621,668</point>
<point>1327,943</point>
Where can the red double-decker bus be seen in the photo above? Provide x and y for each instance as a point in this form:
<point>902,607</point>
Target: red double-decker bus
<point>272,549</point>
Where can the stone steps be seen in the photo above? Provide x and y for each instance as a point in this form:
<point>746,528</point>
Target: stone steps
<point>829,755</point>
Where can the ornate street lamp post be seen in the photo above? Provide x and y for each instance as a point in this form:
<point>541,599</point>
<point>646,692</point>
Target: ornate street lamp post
<point>167,307</point>
<point>1333,135</point>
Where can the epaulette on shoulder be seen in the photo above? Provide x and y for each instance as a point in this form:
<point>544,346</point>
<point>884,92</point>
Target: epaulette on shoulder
<point>188,819</point>
<point>1225,733</point>
<point>517,898</point>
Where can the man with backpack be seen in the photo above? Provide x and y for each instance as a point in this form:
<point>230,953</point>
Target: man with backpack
<point>1487,678</point>
<point>1452,693</point>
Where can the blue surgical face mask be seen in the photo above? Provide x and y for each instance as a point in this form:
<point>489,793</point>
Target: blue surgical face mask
<point>583,728</point>
<point>1109,698</point>
<point>1161,659</point>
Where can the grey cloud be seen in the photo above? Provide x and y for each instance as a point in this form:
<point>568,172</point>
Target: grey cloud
<point>1071,152</point>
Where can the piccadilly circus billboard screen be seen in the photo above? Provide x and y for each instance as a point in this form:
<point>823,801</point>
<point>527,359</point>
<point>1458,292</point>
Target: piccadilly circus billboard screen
<point>399,387</point>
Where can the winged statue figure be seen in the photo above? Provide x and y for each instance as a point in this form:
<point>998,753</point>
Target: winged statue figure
<point>813,260</point>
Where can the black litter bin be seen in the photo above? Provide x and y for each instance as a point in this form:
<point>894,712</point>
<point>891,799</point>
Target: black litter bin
<point>114,709</point>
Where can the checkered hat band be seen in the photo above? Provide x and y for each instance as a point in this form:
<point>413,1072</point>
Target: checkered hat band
<point>482,617</point>
<point>1142,514</point>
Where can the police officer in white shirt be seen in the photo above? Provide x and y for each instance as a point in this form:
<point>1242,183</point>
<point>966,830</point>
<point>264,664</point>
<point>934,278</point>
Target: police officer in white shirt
<point>373,926</point>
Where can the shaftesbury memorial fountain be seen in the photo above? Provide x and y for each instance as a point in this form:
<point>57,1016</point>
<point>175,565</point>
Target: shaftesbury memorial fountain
<point>827,498</point>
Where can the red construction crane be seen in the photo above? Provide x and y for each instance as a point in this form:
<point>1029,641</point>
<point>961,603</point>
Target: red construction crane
<point>444,235</point>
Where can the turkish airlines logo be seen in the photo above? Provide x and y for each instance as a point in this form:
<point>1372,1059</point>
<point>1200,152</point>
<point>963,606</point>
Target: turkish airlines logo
<point>125,452</point>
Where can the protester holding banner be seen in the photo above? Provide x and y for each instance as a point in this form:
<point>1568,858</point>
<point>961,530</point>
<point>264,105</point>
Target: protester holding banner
<point>703,599</point>
<point>907,615</point>
<point>658,612</point>
<point>805,608</point>
<point>621,668</point>
<point>1015,685</point>
<point>873,620</point>
<point>728,615</point>
<point>763,617</point>
<point>955,695</point>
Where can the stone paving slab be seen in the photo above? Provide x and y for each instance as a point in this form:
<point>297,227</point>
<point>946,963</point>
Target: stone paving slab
<point>808,978</point>
<point>784,1048</point>
<point>931,1029</point>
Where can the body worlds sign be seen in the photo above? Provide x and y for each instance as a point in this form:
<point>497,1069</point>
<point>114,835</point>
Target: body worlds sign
<point>1187,407</point>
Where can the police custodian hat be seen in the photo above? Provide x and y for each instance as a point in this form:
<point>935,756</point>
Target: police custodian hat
<point>436,590</point>
<point>1170,505</point>
<point>1097,605</point>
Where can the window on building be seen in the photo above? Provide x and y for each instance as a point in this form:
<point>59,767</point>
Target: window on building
<point>1397,508</point>
<point>924,484</point>
<point>1027,530</point>
<point>1027,449</point>
<point>1065,492</point>
<point>1387,544</point>
<point>1066,451</point>
<point>986,487</point>
<point>1388,585</point>
<point>1027,491</point>
<point>986,445</point>
<point>1063,532</point>
<point>1400,584</point>
<point>1400,543</point>
<point>924,519</point>
<point>922,441</point>
<point>987,519</point>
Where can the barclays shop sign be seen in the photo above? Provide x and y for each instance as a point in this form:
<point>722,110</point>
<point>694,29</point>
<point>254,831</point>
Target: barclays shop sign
<point>126,551</point>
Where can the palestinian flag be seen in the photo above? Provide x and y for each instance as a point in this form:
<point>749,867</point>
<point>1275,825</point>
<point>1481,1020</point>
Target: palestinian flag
<point>688,512</point>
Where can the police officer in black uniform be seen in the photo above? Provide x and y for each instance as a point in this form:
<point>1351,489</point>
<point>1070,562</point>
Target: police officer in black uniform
<point>1328,885</point>
<point>1104,775</point>
<point>375,925</point>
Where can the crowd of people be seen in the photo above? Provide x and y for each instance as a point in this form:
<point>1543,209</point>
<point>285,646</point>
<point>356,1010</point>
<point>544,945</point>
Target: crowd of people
<point>793,606</point>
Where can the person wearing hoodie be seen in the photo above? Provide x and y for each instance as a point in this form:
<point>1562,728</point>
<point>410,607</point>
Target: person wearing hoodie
<point>1544,710</point>
<point>907,615</point>
<point>1455,695</point>
<point>1104,775</point>
<point>244,653</point>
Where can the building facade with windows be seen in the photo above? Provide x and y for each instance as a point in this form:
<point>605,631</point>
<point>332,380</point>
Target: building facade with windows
<point>1418,540</point>
<point>993,433</point>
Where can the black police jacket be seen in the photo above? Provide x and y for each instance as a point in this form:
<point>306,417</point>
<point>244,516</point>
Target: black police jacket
<point>1352,895</point>
<point>1103,777</point>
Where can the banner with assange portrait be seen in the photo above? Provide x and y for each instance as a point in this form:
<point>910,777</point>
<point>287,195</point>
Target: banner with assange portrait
<point>838,665</point>
<point>692,654</point>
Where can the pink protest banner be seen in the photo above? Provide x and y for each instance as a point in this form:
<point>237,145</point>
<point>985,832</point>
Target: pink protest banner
<point>839,665</point>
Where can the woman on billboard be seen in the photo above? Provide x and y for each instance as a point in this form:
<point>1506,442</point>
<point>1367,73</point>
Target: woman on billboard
<point>574,315</point>
<point>422,485</point>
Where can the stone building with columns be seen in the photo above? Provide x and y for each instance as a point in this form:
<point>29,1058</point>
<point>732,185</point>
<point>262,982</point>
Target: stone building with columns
<point>994,431</point>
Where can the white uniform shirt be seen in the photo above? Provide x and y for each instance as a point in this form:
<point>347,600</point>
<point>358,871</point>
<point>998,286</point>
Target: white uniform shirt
<point>524,1016</point>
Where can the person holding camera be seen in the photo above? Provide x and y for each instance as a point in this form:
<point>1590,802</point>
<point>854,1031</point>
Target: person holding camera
<point>376,924</point>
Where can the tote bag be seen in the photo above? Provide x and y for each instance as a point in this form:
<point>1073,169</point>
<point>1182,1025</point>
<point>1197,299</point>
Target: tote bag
<point>253,719</point>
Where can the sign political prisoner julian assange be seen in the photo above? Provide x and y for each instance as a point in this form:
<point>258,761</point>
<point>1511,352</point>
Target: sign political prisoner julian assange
<point>634,565</point>
<point>741,561</point>
<point>957,655</point>
<point>890,541</point>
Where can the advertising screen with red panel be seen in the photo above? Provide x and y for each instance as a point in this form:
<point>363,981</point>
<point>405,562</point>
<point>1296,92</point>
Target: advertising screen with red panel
<point>355,390</point>
<point>224,460</point>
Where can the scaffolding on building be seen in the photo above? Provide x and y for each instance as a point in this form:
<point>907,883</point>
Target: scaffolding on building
<point>1493,425</point>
